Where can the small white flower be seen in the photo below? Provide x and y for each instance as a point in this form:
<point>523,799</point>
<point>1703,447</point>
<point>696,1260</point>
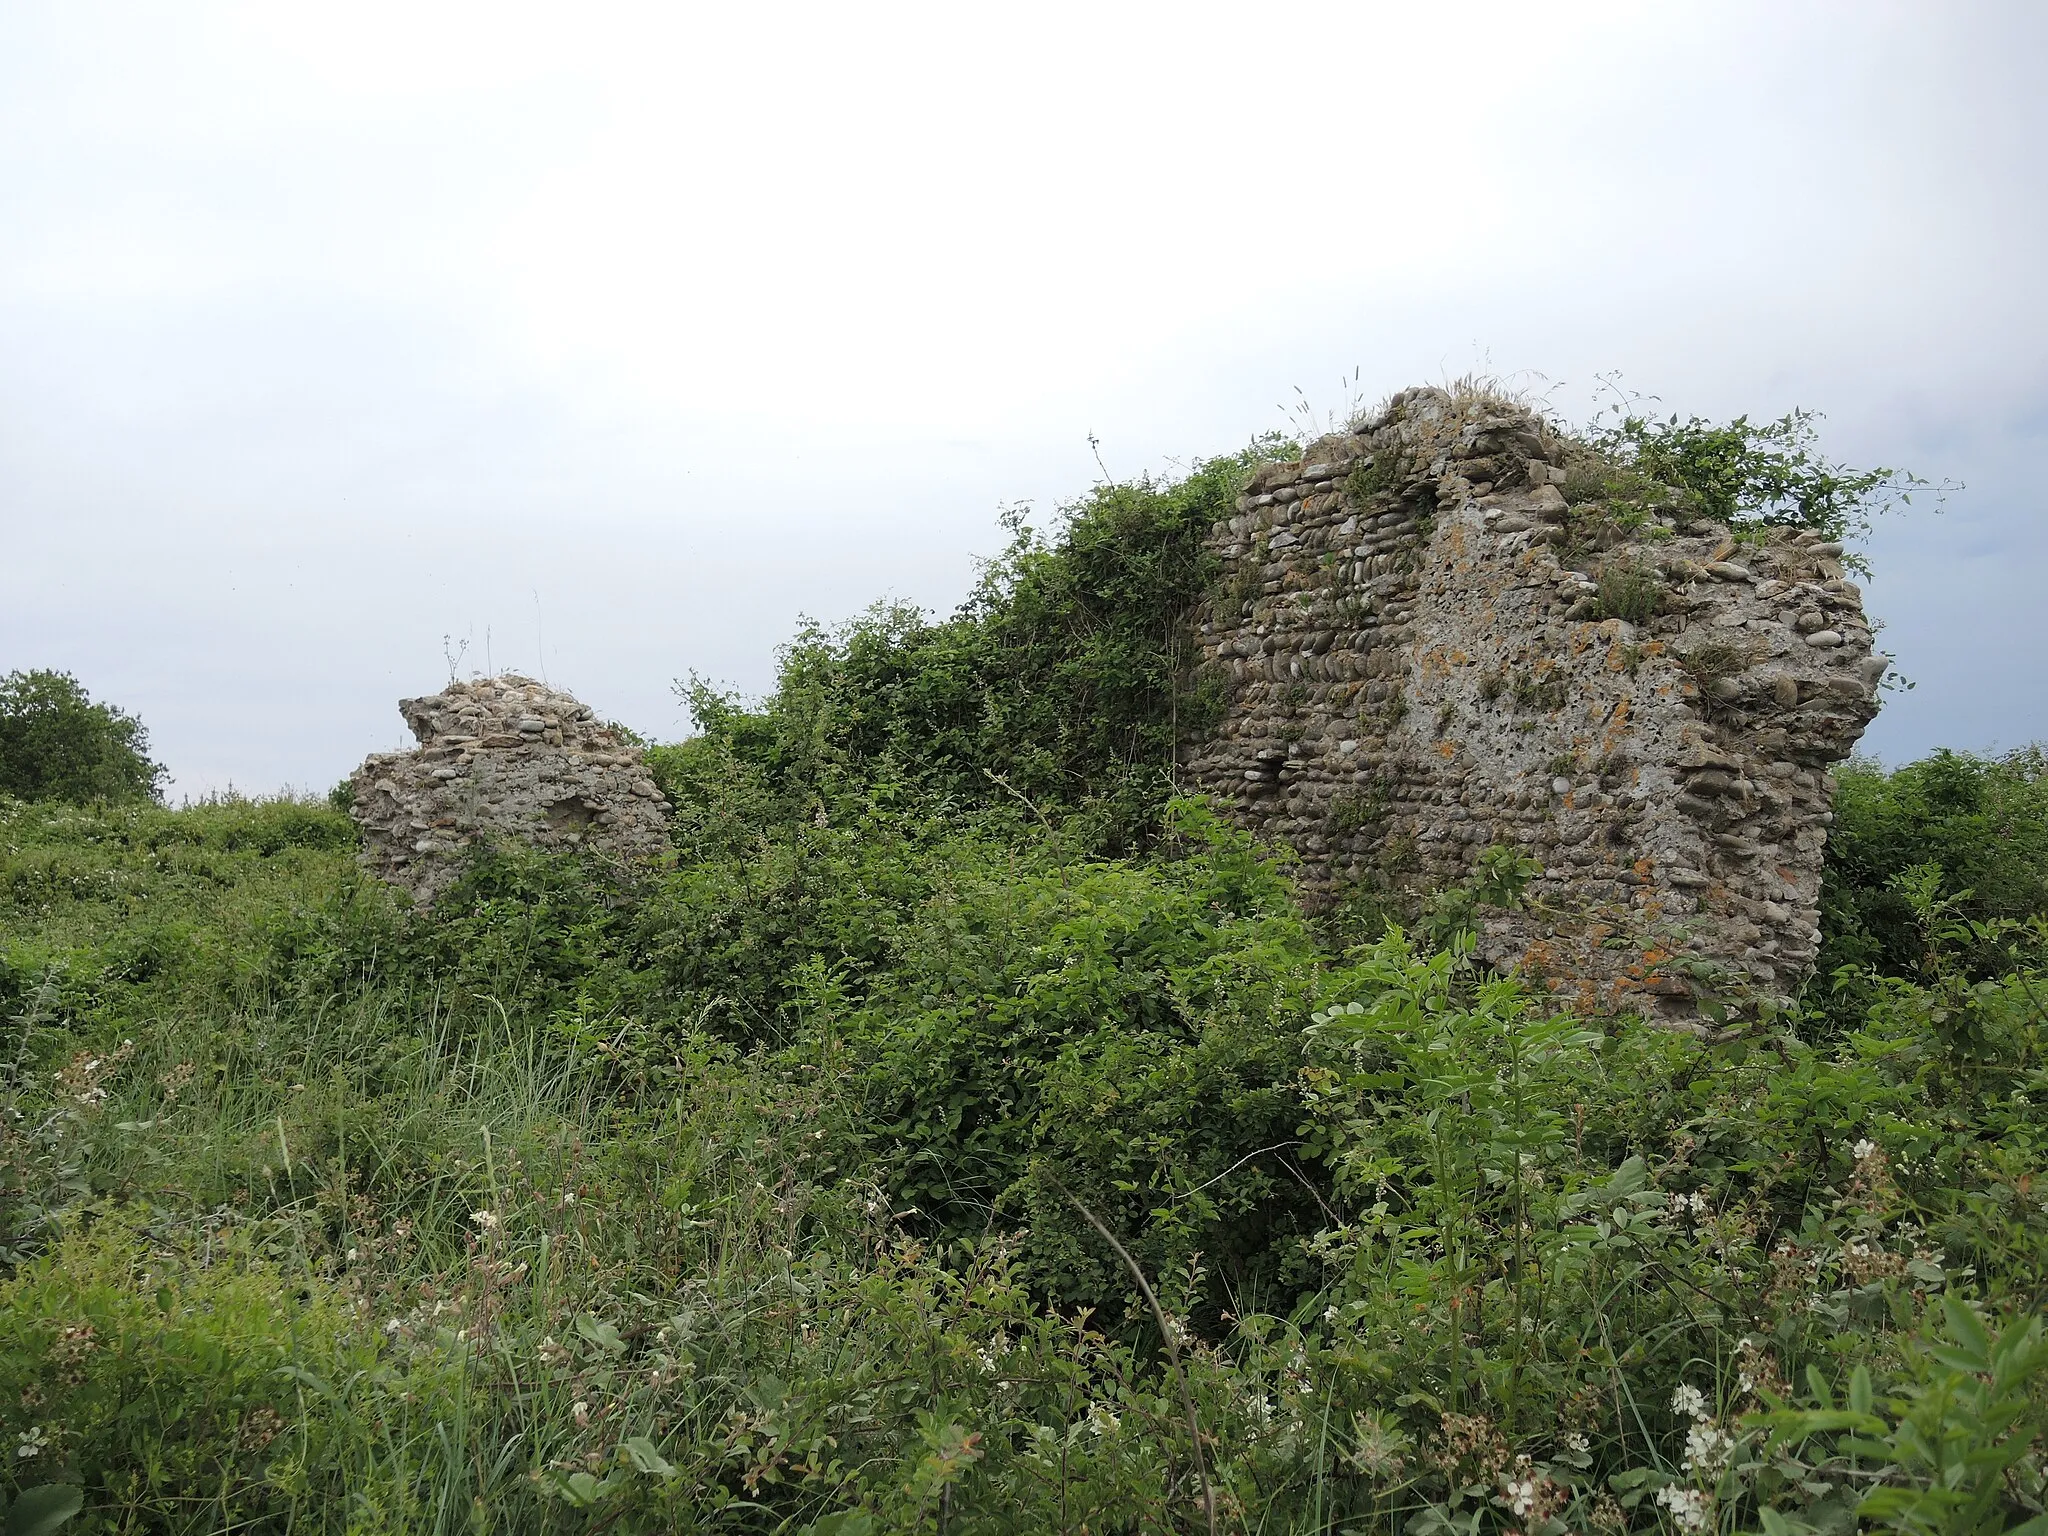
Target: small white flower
<point>569,1198</point>
<point>1329,1314</point>
<point>1521,1494</point>
<point>1688,1507</point>
<point>1689,1401</point>
<point>392,1325</point>
<point>487,1221</point>
<point>1707,1449</point>
<point>1577,1443</point>
<point>1864,1149</point>
<point>30,1443</point>
<point>580,1412</point>
<point>1100,1420</point>
<point>990,1354</point>
<point>354,1254</point>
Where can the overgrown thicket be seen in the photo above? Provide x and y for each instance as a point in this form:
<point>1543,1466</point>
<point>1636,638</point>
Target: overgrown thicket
<point>1062,683</point>
<point>963,1134</point>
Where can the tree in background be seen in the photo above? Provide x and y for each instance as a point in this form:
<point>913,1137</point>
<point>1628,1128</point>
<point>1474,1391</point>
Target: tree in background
<point>56,744</point>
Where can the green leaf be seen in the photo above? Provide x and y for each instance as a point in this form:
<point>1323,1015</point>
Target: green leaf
<point>640,1451</point>
<point>1963,1360</point>
<point>1859,1389</point>
<point>581,1490</point>
<point>1966,1330</point>
<point>42,1509</point>
<point>1817,1385</point>
<point>600,1333</point>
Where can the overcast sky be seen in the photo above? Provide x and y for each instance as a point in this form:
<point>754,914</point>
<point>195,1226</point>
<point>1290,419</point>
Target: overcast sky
<point>611,340</point>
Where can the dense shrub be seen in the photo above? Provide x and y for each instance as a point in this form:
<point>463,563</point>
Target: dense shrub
<point>1063,681</point>
<point>56,744</point>
<point>1969,831</point>
<point>561,1207</point>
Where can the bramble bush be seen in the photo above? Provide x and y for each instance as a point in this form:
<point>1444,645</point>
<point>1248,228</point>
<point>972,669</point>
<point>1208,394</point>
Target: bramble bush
<point>501,1213</point>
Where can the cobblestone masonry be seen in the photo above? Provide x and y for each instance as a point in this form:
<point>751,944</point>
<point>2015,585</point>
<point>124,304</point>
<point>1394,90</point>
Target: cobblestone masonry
<point>502,757</point>
<point>1412,634</point>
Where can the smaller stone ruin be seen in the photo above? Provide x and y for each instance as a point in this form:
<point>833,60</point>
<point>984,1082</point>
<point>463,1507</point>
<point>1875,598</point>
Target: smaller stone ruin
<point>502,758</point>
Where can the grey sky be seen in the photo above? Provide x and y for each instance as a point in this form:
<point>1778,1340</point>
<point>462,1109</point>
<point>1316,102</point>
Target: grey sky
<point>613,339</point>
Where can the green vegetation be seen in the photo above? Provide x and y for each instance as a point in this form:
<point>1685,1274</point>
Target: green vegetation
<point>1936,872</point>
<point>1742,473</point>
<point>565,1207</point>
<point>1063,680</point>
<point>56,744</point>
<point>1629,590</point>
<point>964,1134</point>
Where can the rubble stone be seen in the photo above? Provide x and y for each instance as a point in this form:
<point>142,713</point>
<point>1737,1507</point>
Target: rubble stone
<point>1420,662</point>
<point>502,757</point>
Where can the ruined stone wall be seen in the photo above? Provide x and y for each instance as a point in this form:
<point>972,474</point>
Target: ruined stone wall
<point>1412,628</point>
<point>502,757</point>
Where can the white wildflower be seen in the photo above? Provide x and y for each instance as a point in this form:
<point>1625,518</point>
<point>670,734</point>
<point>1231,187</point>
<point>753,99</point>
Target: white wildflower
<point>1521,1495</point>
<point>1577,1443</point>
<point>486,1221</point>
<point>580,1412</point>
<point>993,1351</point>
<point>1101,1421</point>
<point>1707,1449</point>
<point>1689,1401</point>
<point>30,1443</point>
<point>392,1325</point>
<point>1688,1507</point>
<point>1864,1149</point>
<point>1329,1314</point>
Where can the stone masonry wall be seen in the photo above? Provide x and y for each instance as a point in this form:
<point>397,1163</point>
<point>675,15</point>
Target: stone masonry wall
<point>1411,629</point>
<point>502,757</point>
